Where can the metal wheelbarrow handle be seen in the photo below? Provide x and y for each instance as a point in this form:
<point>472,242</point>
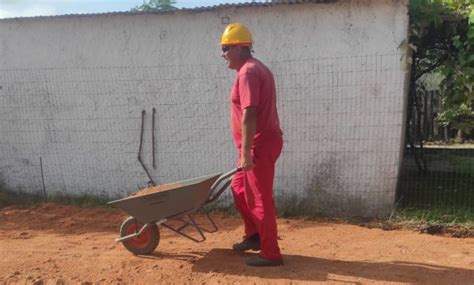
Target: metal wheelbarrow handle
<point>213,196</point>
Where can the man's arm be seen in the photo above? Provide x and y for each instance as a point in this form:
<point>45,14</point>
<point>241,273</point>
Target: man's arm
<point>249,126</point>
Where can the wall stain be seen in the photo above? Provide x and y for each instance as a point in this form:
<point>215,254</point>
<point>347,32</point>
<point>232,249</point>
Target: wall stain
<point>327,194</point>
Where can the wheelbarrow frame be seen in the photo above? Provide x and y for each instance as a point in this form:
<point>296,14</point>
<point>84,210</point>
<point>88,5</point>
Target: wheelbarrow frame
<point>221,182</point>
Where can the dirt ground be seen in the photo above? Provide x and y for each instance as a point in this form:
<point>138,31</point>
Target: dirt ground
<point>55,244</point>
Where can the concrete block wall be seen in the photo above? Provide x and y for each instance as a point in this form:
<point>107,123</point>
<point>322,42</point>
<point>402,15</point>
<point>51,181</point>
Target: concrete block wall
<point>73,89</point>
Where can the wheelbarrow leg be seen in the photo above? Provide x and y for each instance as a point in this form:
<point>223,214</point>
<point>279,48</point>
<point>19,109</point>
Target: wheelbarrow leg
<point>193,223</point>
<point>197,227</point>
<point>185,225</point>
<point>213,224</point>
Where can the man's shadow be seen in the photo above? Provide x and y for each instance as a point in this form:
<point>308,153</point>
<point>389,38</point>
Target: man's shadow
<point>307,268</point>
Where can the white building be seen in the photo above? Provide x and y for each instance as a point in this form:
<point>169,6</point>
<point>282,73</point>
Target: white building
<point>73,88</point>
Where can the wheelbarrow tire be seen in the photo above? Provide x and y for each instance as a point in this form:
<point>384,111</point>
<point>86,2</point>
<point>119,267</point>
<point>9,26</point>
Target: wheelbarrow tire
<point>146,242</point>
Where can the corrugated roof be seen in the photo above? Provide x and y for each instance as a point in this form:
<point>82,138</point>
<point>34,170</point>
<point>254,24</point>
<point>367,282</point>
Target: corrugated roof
<point>196,9</point>
<point>257,4</point>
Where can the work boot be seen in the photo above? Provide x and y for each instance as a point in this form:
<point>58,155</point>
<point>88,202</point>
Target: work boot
<point>260,261</point>
<point>251,243</point>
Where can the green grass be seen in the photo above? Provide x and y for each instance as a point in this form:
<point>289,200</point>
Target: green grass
<point>19,198</point>
<point>443,196</point>
<point>455,223</point>
<point>435,216</point>
<point>461,163</point>
<point>8,198</point>
<point>438,190</point>
<point>446,186</point>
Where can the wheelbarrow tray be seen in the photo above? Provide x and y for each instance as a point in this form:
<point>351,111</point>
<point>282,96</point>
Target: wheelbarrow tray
<point>184,197</point>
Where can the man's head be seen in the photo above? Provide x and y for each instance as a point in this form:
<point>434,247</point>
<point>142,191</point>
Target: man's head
<point>236,45</point>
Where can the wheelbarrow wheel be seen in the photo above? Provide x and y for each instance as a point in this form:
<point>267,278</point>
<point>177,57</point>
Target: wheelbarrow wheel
<point>146,242</point>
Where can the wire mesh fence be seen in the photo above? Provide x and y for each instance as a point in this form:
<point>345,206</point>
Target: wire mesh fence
<point>85,123</point>
<point>342,120</point>
<point>437,172</point>
<point>443,178</point>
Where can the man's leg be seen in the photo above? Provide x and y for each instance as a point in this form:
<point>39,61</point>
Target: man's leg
<point>238,192</point>
<point>259,193</point>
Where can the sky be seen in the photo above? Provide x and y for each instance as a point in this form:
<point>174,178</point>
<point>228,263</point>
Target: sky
<point>30,8</point>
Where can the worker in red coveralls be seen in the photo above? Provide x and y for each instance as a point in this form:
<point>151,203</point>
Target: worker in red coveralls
<point>258,138</point>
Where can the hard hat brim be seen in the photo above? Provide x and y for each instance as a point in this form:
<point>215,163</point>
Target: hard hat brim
<point>237,44</point>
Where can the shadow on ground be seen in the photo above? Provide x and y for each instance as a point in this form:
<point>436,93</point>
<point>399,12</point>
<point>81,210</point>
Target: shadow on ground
<point>308,268</point>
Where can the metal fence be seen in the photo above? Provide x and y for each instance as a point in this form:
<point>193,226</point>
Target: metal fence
<point>342,119</point>
<point>438,177</point>
<point>436,173</point>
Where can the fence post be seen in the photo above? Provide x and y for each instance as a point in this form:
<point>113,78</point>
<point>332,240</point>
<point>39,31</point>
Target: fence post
<point>42,179</point>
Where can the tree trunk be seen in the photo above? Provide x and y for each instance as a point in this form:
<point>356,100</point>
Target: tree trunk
<point>459,137</point>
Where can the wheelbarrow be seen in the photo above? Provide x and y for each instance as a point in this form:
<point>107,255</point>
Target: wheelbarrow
<point>158,205</point>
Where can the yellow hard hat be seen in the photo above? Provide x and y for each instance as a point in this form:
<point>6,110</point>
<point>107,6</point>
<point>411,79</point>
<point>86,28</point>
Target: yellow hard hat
<point>236,34</point>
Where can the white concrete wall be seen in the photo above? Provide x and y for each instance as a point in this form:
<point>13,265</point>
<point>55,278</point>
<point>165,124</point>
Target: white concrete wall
<point>72,91</point>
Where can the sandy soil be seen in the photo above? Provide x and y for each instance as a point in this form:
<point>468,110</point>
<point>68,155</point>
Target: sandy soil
<point>156,188</point>
<point>53,244</point>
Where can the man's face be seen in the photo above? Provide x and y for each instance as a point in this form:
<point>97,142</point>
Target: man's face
<point>232,56</point>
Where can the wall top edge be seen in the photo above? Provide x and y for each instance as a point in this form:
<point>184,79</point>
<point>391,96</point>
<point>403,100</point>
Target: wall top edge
<point>187,10</point>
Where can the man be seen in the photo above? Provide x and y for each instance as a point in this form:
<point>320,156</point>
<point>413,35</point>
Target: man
<point>258,138</point>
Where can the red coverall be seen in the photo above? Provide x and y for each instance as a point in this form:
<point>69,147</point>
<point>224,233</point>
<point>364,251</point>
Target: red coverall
<point>254,86</point>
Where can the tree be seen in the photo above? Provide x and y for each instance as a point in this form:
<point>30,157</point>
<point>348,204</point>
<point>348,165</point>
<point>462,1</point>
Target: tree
<point>155,5</point>
<point>442,37</point>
